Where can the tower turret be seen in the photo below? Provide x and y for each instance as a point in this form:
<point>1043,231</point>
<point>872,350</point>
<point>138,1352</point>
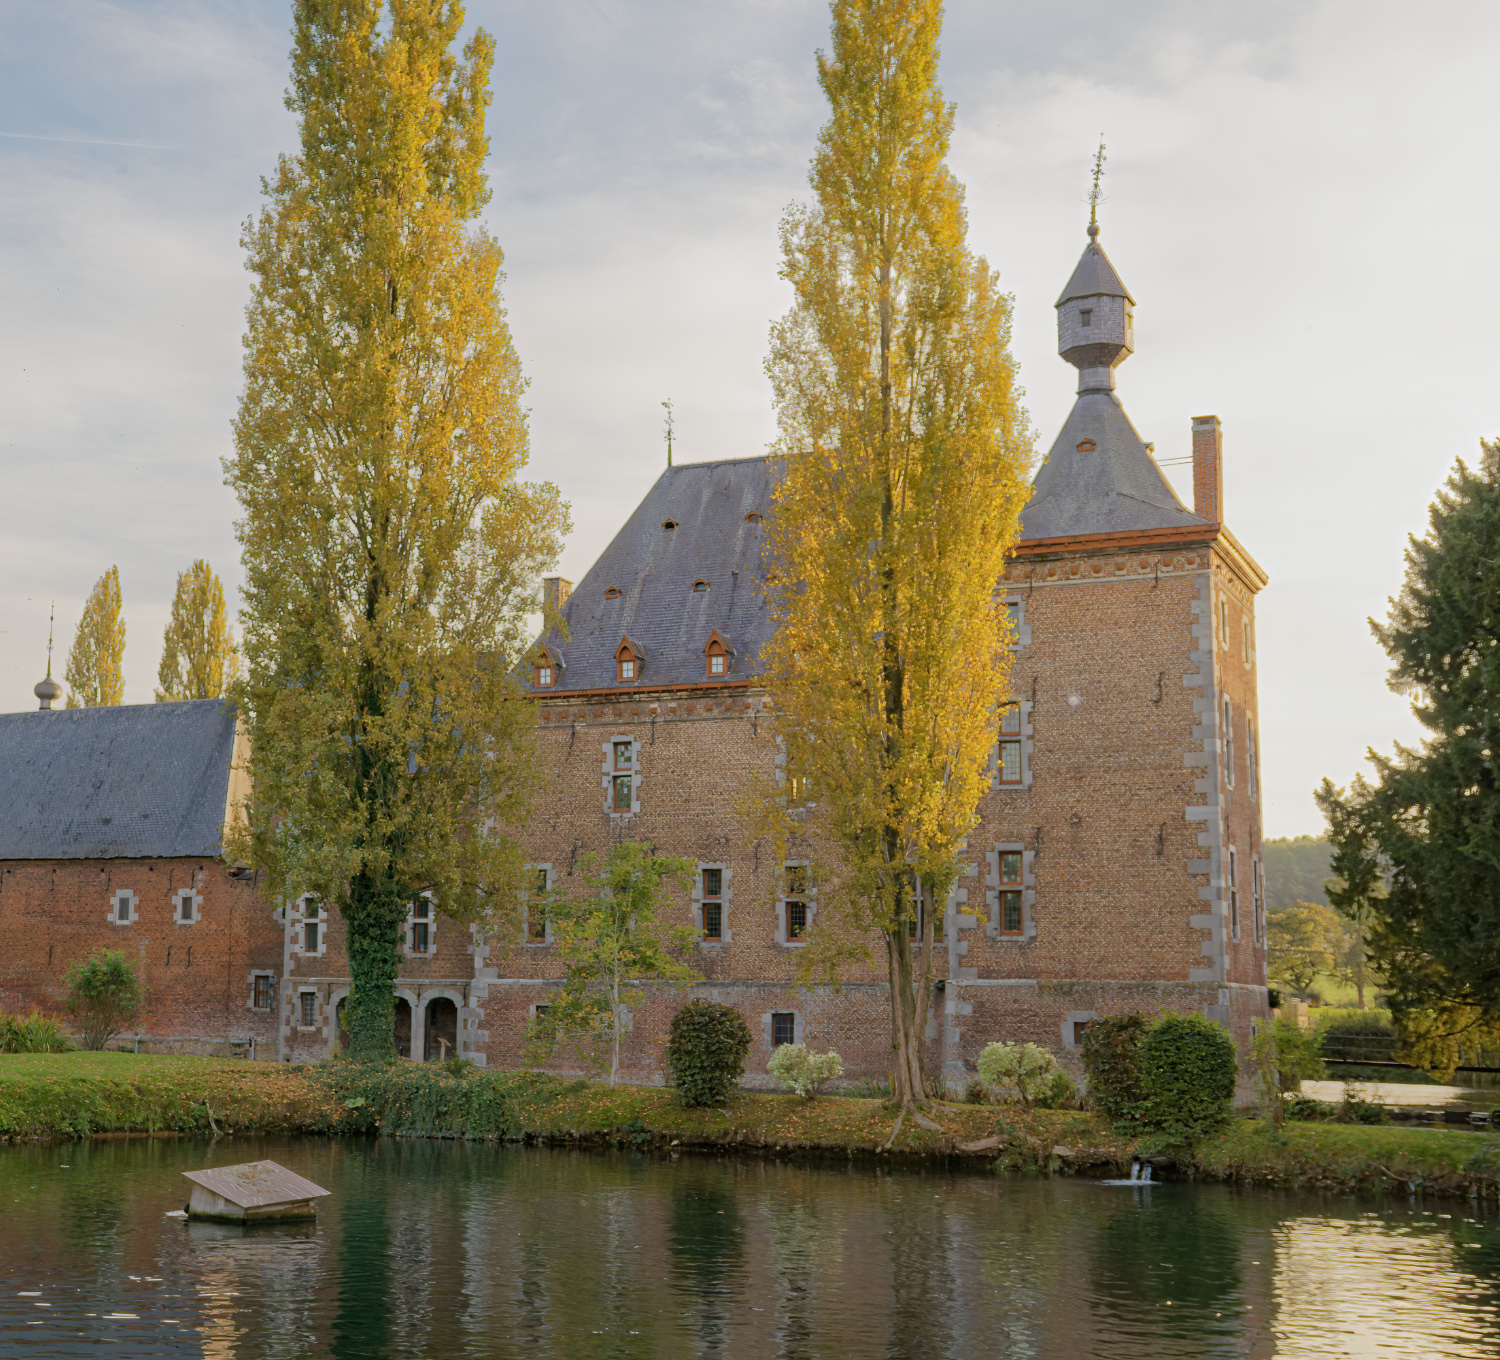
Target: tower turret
<point>1095,327</point>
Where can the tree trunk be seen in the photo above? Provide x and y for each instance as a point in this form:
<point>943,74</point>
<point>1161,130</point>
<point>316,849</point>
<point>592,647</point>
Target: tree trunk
<point>910,986</point>
<point>614,1028</point>
<point>372,923</point>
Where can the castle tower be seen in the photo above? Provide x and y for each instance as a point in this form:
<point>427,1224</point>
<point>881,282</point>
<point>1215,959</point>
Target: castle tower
<point>1095,325</point>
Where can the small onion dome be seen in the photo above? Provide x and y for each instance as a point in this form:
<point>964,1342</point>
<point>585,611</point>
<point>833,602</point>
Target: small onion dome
<point>48,691</point>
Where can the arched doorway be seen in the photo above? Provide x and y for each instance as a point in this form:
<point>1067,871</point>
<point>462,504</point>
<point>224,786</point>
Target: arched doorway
<point>403,1027</point>
<point>441,1029</point>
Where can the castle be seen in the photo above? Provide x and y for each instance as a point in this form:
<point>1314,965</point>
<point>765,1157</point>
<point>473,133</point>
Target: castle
<point>1116,865</point>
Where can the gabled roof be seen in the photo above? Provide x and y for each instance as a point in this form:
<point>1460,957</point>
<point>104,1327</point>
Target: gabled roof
<point>133,781</point>
<point>1093,277</point>
<point>654,570</point>
<point>1114,486</point>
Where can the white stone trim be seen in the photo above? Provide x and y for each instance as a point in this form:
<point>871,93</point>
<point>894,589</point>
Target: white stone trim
<point>993,889</point>
<point>610,772</point>
<point>1026,743</point>
<point>407,931</point>
<point>299,923</point>
<point>132,907</point>
<point>724,895</point>
<point>767,1039</point>
<point>194,911</point>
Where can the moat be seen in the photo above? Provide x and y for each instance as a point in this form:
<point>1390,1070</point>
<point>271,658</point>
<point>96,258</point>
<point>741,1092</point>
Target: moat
<point>453,1249</point>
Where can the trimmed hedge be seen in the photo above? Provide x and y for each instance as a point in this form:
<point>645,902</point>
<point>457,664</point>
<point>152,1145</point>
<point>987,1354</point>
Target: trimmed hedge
<point>1111,1058</point>
<point>1188,1070</point>
<point>706,1052</point>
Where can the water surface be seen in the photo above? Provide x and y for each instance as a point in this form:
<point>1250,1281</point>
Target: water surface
<point>451,1249</point>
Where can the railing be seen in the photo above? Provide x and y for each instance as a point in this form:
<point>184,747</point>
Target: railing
<point>1379,1050</point>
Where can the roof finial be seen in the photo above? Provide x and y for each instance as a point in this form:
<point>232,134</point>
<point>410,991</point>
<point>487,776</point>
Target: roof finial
<point>1095,197</point>
<point>48,691</point>
<point>667,426</point>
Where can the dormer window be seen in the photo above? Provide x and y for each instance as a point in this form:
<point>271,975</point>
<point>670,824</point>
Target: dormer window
<point>613,593</point>
<point>753,517</point>
<point>628,660</point>
<point>669,524</point>
<point>699,587</point>
<point>1086,446</point>
<point>715,657</point>
<point>1086,316</point>
<point>544,669</point>
<point>543,676</point>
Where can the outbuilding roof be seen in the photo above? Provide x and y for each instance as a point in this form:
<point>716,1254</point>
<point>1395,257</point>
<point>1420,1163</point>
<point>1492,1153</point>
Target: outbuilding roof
<point>716,510</point>
<point>254,1185</point>
<point>131,781</point>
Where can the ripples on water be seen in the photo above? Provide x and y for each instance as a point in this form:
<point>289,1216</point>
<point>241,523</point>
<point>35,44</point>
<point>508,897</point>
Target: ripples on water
<point>446,1249</point>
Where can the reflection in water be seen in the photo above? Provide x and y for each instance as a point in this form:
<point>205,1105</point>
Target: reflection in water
<point>437,1249</point>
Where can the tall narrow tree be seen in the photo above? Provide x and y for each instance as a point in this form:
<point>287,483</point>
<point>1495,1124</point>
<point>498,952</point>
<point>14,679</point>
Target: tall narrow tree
<point>391,554</point>
<point>903,459</point>
<point>198,657</point>
<point>95,672</point>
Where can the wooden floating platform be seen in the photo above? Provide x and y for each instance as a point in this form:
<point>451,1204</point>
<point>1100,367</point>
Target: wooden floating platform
<point>252,1192</point>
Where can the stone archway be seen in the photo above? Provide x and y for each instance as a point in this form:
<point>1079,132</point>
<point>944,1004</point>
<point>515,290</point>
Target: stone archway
<point>402,1032</point>
<point>440,1029</point>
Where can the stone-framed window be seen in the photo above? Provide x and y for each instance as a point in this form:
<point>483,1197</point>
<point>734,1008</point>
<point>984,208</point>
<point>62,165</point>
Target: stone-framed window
<point>711,904</point>
<point>123,907</point>
<point>538,928</point>
<point>1257,900</point>
<point>262,991</point>
<point>915,923</point>
<point>420,937</point>
<point>185,905</point>
<point>1073,1025</point>
<point>1020,630</point>
<point>1010,892</point>
<point>307,1009</point>
<point>781,1027</point>
<point>622,776</point>
<point>1252,761</point>
<point>1228,742</point>
<point>1234,893</point>
<point>1247,643</point>
<point>310,926</point>
<point>797,905</point>
<point>1012,758</point>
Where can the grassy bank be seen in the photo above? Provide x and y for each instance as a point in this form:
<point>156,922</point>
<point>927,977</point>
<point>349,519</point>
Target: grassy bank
<point>78,1094</point>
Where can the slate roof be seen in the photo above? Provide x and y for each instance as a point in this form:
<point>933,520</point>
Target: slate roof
<point>1114,487</point>
<point>1093,276</point>
<point>132,782</point>
<point>654,570</point>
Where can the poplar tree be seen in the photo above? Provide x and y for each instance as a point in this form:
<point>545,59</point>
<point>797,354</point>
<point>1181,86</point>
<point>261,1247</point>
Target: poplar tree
<point>198,657</point>
<point>391,553</point>
<point>95,673</point>
<point>902,466</point>
<point>1416,851</point>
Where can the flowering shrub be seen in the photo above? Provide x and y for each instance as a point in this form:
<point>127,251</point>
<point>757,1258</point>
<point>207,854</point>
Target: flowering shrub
<point>1026,1072</point>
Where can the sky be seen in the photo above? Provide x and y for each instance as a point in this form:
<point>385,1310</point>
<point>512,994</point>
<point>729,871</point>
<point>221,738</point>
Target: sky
<point>1298,195</point>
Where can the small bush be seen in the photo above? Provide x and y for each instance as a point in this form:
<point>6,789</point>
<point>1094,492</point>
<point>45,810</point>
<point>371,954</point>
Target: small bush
<point>1297,1056</point>
<point>1027,1072</point>
<point>1351,1022</point>
<point>1273,998</point>
<point>706,1051</point>
<point>104,995</point>
<point>1307,1109</point>
<point>804,1071</point>
<point>1112,1063</point>
<point>1188,1069</point>
<point>37,1033</point>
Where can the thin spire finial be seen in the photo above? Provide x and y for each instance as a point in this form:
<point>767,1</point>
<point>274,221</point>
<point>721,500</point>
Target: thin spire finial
<point>667,426</point>
<point>1096,197</point>
<point>51,619</point>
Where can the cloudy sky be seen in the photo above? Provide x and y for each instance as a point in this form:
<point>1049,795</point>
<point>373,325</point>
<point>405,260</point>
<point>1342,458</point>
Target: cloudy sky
<point>1300,196</point>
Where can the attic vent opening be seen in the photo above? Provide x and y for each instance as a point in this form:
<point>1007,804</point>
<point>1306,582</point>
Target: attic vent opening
<point>753,517</point>
<point>1087,446</point>
<point>699,586</point>
<point>669,524</point>
<point>613,593</point>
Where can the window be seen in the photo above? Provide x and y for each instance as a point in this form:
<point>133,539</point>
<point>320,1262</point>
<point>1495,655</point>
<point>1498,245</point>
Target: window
<point>1012,917</point>
<point>263,991</point>
<point>122,907</point>
<point>185,907</point>
<point>916,922</point>
<point>713,904</point>
<point>699,587</point>
<point>1009,761</point>
<point>1224,620</point>
<point>1234,894</point>
<point>536,914</point>
<point>796,903</point>
<point>1257,901</point>
<point>627,669</point>
<point>539,1012</point>
<point>311,925</point>
<point>544,672</point>
<point>1086,446</point>
<point>669,524</point>
<point>421,926</point>
<point>1086,315</point>
<point>309,1010</point>
<point>1228,743</point>
<point>783,1028</point>
<point>624,754</point>
<point>613,593</point>
<point>1251,759</point>
<point>627,661</point>
<point>753,517</point>
<point>1245,640</point>
<point>716,663</point>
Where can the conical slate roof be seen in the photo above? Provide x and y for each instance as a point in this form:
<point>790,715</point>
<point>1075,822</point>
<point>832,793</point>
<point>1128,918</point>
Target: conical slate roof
<point>1113,487</point>
<point>1093,276</point>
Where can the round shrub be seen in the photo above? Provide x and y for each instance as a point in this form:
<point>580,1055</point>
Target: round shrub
<point>1188,1069</point>
<point>1027,1072</point>
<point>706,1051</point>
<point>797,1066</point>
<point>1112,1061</point>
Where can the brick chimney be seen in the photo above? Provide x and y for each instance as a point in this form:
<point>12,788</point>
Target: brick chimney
<point>555,593</point>
<point>1208,469</point>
